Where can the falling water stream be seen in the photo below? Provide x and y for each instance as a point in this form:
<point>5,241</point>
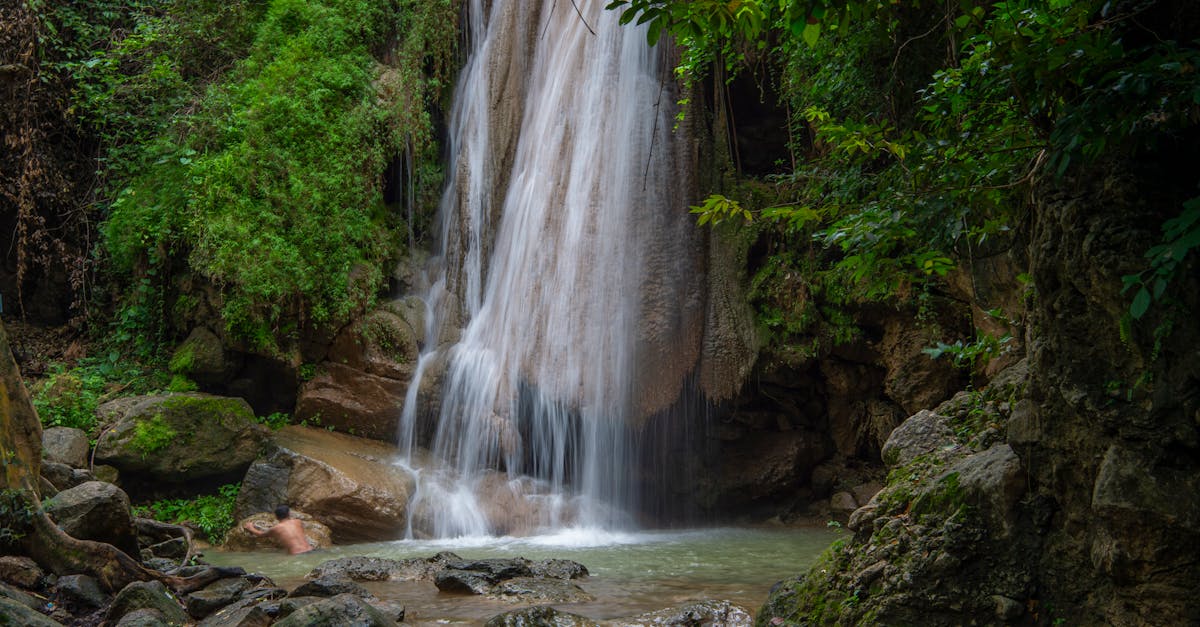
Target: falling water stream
<point>562,152</point>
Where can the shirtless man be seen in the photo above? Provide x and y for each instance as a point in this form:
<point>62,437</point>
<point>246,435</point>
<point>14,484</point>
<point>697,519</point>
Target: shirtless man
<point>287,532</point>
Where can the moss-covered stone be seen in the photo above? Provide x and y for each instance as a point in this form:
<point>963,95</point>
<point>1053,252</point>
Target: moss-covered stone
<point>181,437</point>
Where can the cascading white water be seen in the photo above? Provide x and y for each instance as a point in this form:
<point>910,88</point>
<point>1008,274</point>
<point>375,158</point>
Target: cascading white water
<point>562,153</point>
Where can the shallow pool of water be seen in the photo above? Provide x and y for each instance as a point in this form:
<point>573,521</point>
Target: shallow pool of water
<point>631,573</point>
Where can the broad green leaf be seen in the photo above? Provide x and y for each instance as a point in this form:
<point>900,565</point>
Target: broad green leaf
<point>1141,303</point>
<point>811,33</point>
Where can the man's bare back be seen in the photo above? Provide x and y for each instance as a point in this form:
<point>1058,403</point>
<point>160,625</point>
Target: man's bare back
<point>288,532</point>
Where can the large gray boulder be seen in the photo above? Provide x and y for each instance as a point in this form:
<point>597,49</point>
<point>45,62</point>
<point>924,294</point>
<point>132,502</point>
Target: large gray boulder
<point>179,438</point>
<point>95,511</point>
<point>65,445</point>
<point>146,595</point>
<point>924,432</point>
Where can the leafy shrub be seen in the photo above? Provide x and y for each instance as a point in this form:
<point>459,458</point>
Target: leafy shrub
<point>68,397</point>
<point>270,185</point>
<point>276,421</point>
<point>212,514</point>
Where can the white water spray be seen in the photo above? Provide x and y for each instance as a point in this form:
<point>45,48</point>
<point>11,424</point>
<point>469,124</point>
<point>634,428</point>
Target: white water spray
<point>562,154</point>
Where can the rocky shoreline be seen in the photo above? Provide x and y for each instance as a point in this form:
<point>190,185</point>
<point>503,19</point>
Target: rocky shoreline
<point>332,595</point>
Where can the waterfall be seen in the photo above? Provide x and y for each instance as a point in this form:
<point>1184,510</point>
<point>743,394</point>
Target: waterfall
<point>564,292</point>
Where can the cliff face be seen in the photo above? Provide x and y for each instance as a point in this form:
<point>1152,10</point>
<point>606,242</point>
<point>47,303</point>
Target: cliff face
<point>1069,488</point>
<point>1110,433</point>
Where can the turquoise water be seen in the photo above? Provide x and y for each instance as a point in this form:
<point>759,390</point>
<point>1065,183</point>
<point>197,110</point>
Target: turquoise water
<point>631,573</point>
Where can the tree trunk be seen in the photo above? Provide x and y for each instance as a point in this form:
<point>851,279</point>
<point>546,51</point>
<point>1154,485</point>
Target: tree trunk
<point>20,430</point>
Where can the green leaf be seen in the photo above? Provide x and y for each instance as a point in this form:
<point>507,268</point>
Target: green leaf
<point>1141,303</point>
<point>1160,286</point>
<point>655,32</point>
<point>811,33</point>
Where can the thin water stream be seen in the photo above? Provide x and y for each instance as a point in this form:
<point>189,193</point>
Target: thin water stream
<point>630,573</point>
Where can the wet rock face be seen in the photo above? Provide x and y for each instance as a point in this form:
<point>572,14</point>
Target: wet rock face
<point>360,387</point>
<point>348,484</point>
<point>1124,534</point>
<point>942,541</point>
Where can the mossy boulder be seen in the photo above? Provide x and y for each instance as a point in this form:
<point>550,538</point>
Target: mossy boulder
<point>202,358</point>
<point>182,437</point>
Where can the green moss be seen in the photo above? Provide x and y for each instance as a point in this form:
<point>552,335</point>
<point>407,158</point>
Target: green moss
<point>942,500</point>
<point>152,435</point>
<point>183,360</point>
<point>180,383</point>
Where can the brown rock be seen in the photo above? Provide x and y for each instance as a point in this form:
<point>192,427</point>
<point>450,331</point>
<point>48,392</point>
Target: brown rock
<point>20,571</point>
<point>347,483</point>
<point>382,343</point>
<point>914,380</point>
<point>767,466</point>
<point>353,401</point>
<point>238,539</point>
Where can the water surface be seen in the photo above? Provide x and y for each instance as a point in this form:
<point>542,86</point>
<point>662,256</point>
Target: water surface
<point>631,573</point>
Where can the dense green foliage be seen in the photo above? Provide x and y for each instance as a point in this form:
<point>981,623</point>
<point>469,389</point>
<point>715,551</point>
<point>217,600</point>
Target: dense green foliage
<point>920,134</point>
<point>245,144</point>
<point>68,397</point>
<point>212,514</point>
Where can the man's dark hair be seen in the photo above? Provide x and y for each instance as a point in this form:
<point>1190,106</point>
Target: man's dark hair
<point>282,512</point>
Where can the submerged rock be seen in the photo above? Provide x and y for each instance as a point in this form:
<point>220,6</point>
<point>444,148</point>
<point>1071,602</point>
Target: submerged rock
<point>330,587</point>
<point>538,590</point>
<point>697,613</point>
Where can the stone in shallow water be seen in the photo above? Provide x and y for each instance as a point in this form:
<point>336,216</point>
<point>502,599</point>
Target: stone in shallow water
<point>708,612</point>
<point>541,616</point>
<point>337,611</point>
<point>539,590</point>
<point>361,568</point>
<point>330,587</point>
